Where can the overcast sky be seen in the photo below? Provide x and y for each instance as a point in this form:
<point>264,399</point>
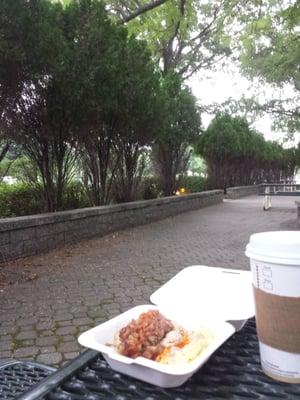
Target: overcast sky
<point>221,85</point>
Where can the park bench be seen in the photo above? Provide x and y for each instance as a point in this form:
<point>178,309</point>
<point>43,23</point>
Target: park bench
<point>277,189</point>
<point>233,372</point>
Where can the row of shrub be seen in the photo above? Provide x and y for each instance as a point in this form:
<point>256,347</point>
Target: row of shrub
<point>72,91</point>
<point>21,199</point>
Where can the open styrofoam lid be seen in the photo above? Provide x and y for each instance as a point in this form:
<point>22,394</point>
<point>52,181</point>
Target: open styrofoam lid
<point>279,247</point>
<point>212,293</point>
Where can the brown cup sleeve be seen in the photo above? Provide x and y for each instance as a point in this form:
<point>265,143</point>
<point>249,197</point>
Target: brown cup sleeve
<point>278,320</point>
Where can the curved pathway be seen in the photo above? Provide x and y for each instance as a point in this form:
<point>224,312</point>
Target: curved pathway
<point>82,285</point>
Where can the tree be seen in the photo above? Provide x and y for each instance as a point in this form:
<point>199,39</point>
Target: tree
<point>236,155</point>
<point>12,67</point>
<point>128,12</point>
<point>85,87</point>
<point>220,144</point>
<point>116,91</point>
<point>189,36</point>
<point>270,50</point>
<point>96,68</point>
<point>180,128</point>
<point>270,47</point>
<point>184,36</point>
<point>44,108</point>
<point>37,108</point>
<point>4,146</point>
<point>137,117</point>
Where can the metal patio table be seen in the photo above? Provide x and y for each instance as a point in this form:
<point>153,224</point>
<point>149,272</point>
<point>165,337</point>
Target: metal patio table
<point>233,372</point>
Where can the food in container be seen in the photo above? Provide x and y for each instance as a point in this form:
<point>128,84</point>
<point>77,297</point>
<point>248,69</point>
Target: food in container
<point>214,302</point>
<point>157,338</point>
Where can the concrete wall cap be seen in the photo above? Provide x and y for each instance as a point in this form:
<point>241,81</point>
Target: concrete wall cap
<point>71,215</point>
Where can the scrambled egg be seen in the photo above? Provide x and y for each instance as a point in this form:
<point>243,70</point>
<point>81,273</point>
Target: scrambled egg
<point>187,349</point>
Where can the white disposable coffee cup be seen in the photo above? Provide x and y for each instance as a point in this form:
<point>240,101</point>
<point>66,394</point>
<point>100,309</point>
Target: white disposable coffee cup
<point>275,265</point>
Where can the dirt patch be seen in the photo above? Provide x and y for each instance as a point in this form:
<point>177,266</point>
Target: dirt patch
<point>30,268</point>
<point>10,277</point>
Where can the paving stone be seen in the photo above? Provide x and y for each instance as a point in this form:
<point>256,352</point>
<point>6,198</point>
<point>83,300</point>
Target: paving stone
<point>62,317</point>
<point>46,333</point>
<point>26,321</point>
<point>84,328</point>
<point>50,358</point>
<point>5,354</point>
<point>26,335</point>
<point>82,321</point>
<point>97,312</point>
<point>5,330</point>
<point>61,306</point>
<point>93,302</point>
<point>26,352</point>
<point>71,356</point>
<point>45,341</point>
<point>68,338</point>
<point>65,330</point>
<point>10,323</point>
<point>47,349</point>
<point>78,309</point>
<point>6,345</point>
<point>45,325</point>
<point>80,314</point>
<point>64,323</point>
<point>7,318</point>
<point>68,347</point>
<point>6,338</point>
<point>28,342</point>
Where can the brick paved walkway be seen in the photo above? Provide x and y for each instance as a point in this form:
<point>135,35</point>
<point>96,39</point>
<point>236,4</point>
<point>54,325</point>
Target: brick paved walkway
<point>82,285</point>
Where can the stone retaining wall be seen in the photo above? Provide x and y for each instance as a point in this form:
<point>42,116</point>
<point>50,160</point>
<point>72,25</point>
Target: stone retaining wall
<point>241,191</point>
<point>24,236</point>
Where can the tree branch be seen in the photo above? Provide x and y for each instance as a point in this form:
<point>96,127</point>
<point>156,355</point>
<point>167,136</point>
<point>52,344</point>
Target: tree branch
<point>168,53</point>
<point>4,150</point>
<point>143,10</point>
<point>206,30</point>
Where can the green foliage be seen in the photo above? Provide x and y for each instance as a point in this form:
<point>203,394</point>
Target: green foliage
<point>21,169</point>
<point>5,165</point>
<point>237,155</point>
<point>22,199</point>
<point>271,45</point>
<point>181,117</point>
<point>151,188</point>
<point>137,120</point>
<point>73,83</point>
<point>19,199</point>
<point>115,101</point>
<point>75,196</point>
<point>194,184</point>
<point>197,164</point>
<point>225,137</point>
<point>82,86</point>
<point>180,127</point>
<point>184,36</point>
<point>270,50</point>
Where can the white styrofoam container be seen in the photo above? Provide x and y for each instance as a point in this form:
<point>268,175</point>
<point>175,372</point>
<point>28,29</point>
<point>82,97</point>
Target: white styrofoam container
<point>216,299</point>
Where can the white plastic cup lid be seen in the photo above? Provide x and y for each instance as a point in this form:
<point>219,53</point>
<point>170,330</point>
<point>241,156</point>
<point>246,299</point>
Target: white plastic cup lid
<point>279,247</point>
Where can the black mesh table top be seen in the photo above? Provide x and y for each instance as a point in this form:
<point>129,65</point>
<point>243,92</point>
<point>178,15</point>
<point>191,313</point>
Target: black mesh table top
<point>17,377</point>
<point>233,372</point>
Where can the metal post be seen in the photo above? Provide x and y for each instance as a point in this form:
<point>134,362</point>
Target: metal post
<point>267,199</point>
